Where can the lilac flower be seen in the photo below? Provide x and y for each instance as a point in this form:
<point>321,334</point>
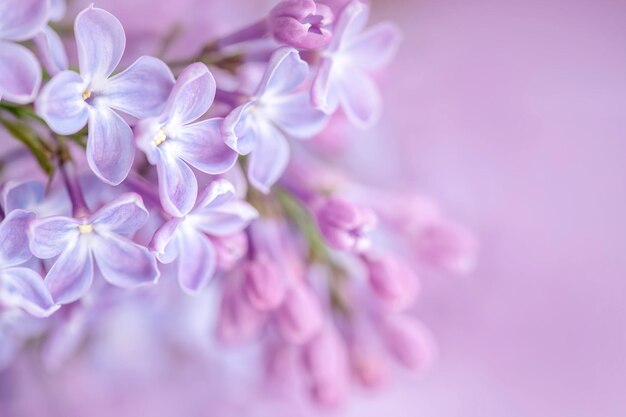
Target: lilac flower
<point>70,100</point>
<point>218,213</point>
<point>277,109</point>
<point>49,43</point>
<point>341,78</point>
<point>103,236</point>
<point>264,287</point>
<point>301,23</point>
<point>409,341</point>
<point>345,225</point>
<point>174,140</point>
<point>300,316</point>
<point>392,280</point>
<point>19,286</point>
<point>20,72</point>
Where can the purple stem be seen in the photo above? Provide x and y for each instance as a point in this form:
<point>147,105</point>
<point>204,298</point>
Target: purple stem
<point>255,31</point>
<point>79,206</point>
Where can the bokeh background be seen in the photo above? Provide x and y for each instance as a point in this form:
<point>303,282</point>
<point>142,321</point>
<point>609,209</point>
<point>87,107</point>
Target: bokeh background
<point>513,115</point>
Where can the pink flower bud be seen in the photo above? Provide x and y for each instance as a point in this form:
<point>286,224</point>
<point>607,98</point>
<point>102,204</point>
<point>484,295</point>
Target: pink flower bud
<point>368,366</point>
<point>345,225</point>
<point>301,23</point>
<point>394,282</point>
<point>229,249</point>
<point>409,341</point>
<point>325,361</point>
<point>264,286</point>
<point>300,315</point>
<point>237,321</point>
<point>448,246</point>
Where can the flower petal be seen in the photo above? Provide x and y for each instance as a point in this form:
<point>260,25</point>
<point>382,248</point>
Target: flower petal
<point>124,215</point>
<point>124,263</point>
<point>349,25</point>
<point>110,147</point>
<point>72,274</point>
<point>269,159</point>
<point>24,288</point>
<point>165,243</point>
<point>374,48</point>
<point>51,51</point>
<point>24,195</point>
<point>285,72</point>
<point>295,116</point>
<point>20,20</point>
<point>61,104</point>
<point>239,129</point>
<point>196,261</point>
<point>51,235</point>
<point>140,90</point>
<point>202,146</point>
<point>101,41</point>
<point>219,212</point>
<point>178,186</point>
<point>191,96</point>
<point>360,98</point>
<point>20,73</point>
<point>324,94</point>
<point>14,248</point>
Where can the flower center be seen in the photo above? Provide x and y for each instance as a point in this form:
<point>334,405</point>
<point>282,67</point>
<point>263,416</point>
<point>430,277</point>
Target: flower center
<point>159,138</point>
<point>85,229</point>
<point>86,94</point>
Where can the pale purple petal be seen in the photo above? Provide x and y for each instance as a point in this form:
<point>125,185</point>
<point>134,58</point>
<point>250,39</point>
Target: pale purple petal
<point>51,235</point>
<point>165,242</point>
<point>14,248</point>
<point>239,129</point>
<point>146,131</point>
<point>61,103</point>
<point>285,72</point>
<point>202,146</point>
<point>219,212</point>
<point>24,195</point>
<point>110,146</point>
<point>269,159</point>
<point>323,90</point>
<point>20,73</point>
<point>360,98</point>
<point>178,186</point>
<point>374,48</point>
<point>191,96</point>
<point>349,24</point>
<point>124,263</point>
<point>124,215</point>
<point>295,116</point>
<point>72,274</point>
<point>24,288</point>
<point>101,41</point>
<point>196,261</point>
<point>22,19</point>
<point>57,10</point>
<point>142,89</point>
<point>51,51</point>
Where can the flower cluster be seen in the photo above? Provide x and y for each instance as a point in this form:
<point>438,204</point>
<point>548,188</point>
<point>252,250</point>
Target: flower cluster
<point>227,196</point>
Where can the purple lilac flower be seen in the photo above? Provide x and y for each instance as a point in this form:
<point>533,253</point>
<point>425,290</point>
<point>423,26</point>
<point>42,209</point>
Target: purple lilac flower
<point>70,100</point>
<point>217,212</point>
<point>342,77</point>
<point>19,286</point>
<point>49,43</point>
<point>301,23</point>
<point>103,237</point>
<point>174,140</point>
<point>278,109</point>
<point>20,72</point>
<point>345,225</point>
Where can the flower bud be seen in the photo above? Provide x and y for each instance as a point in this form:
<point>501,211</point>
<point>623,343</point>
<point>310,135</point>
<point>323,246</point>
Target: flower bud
<point>300,315</point>
<point>264,286</point>
<point>325,361</point>
<point>368,366</point>
<point>301,23</point>
<point>237,321</point>
<point>409,341</point>
<point>394,283</point>
<point>345,225</point>
<point>229,249</point>
<point>448,246</point>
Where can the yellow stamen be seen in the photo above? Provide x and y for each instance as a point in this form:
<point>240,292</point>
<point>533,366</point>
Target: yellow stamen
<point>85,228</point>
<point>160,137</point>
<point>86,94</point>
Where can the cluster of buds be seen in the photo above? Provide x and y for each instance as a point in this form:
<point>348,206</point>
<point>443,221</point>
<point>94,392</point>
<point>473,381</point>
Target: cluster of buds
<point>116,184</point>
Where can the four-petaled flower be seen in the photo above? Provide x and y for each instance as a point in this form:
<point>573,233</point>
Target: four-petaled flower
<point>71,99</point>
<point>277,109</point>
<point>174,140</point>
<point>218,212</point>
<point>20,72</point>
<point>103,236</point>
<point>342,78</point>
